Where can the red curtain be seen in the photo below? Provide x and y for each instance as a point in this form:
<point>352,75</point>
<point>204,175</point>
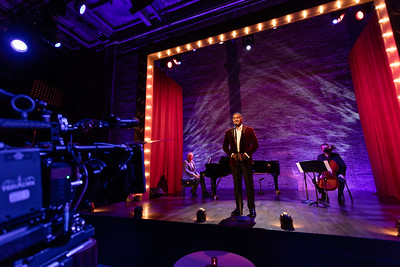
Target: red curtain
<point>167,126</point>
<point>378,107</point>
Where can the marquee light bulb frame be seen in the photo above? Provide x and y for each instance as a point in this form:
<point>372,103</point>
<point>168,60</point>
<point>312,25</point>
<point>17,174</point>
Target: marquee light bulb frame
<point>383,17</point>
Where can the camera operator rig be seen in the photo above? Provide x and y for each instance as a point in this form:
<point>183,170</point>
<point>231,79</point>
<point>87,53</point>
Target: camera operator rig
<point>43,183</point>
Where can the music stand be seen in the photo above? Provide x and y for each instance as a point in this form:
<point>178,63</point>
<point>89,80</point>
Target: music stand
<point>312,166</point>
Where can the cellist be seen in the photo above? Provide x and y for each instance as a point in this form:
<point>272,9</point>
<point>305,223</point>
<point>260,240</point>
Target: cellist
<point>340,172</point>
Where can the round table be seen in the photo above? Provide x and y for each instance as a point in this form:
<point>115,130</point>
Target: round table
<point>203,259</point>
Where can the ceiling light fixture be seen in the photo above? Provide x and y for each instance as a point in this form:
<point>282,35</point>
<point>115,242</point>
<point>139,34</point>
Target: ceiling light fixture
<point>80,6</point>
<point>19,45</point>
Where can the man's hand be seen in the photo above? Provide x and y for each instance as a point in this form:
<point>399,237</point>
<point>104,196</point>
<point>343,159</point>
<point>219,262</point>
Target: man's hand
<point>240,156</point>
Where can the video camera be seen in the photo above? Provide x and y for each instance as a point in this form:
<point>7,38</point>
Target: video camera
<point>42,183</point>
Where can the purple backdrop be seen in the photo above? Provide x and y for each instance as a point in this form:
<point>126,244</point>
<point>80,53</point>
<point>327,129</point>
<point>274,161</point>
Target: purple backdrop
<point>294,87</point>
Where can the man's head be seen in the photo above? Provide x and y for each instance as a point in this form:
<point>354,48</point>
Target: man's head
<point>326,148</point>
<point>237,119</point>
<point>190,156</point>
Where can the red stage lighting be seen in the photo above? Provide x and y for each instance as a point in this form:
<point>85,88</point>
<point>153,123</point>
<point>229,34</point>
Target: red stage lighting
<point>169,64</point>
<point>338,16</point>
<point>359,15</point>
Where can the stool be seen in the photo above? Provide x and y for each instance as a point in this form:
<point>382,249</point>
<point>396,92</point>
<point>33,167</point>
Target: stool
<point>187,183</point>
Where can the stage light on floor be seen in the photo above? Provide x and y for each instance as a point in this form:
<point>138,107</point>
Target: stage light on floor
<point>248,42</point>
<point>19,45</point>
<point>398,227</point>
<point>286,221</point>
<point>201,215</point>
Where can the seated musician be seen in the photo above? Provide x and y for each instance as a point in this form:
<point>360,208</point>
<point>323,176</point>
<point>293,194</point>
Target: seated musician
<point>190,172</point>
<point>340,173</point>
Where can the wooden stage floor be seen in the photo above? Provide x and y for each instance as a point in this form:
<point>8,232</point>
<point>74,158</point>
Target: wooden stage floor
<point>369,216</point>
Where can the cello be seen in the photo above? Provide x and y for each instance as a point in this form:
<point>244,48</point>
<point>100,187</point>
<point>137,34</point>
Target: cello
<point>328,180</point>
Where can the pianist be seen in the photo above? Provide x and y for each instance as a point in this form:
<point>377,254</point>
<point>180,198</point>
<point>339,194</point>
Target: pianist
<point>190,172</point>
<point>240,143</point>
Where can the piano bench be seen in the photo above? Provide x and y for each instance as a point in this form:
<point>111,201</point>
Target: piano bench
<point>187,183</point>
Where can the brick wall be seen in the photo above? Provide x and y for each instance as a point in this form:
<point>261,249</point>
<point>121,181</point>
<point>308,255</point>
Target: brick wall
<point>295,90</point>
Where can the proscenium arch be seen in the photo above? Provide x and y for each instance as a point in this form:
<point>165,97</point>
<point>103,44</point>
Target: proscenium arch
<point>386,29</point>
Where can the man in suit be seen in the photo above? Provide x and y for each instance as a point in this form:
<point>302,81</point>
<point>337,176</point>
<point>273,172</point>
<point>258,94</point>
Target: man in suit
<point>240,143</point>
<point>190,172</point>
<point>340,173</point>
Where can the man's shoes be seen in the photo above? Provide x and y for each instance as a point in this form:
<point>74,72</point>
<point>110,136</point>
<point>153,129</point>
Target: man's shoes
<point>252,213</point>
<point>323,197</point>
<point>193,193</point>
<point>340,198</point>
<point>236,212</point>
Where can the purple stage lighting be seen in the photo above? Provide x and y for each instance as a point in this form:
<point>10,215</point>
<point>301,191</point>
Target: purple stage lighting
<point>19,46</point>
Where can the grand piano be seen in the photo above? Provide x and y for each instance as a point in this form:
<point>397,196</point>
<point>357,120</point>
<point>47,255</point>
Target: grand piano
<point>216,171</point>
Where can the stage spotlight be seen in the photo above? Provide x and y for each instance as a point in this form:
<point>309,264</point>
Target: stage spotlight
<point>201,215</point>
<point>80,6</point>
<point>19,45</point>
<point>138,212</point>
<point>177,59</point>
<point>286,221</point>
<point>53,41</point>
<point>169,64</point>
<point>337,17</point>
<point>171,61</point>
<point>248,42</point>
<point>360,15</point>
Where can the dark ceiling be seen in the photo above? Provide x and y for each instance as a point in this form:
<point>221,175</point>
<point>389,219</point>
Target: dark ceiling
<point>131,22</point>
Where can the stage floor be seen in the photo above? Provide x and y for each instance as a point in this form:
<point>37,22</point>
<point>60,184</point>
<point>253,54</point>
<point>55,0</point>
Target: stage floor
<point>368,216</point>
